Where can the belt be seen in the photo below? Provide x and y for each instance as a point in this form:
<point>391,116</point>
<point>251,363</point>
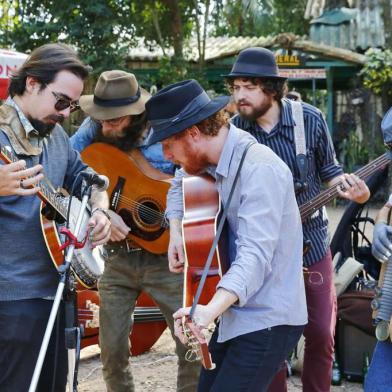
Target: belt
<point>126,245</point>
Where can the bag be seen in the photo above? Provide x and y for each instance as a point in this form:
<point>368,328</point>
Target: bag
<point>343,275</point>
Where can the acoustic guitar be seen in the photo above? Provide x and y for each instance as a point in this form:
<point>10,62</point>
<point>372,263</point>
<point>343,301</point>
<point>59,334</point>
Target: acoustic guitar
<point>136,196</point>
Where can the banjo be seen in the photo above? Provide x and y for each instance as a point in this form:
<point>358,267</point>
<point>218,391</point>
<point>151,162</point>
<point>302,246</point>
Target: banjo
<point>87,264</point>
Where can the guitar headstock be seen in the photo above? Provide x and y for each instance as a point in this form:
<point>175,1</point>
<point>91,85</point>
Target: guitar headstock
<point>198,345</point>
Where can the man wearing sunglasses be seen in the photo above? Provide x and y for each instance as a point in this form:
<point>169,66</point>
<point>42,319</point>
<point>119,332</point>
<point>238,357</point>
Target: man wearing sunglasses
<point>43,92</point>
<point>117,117</point>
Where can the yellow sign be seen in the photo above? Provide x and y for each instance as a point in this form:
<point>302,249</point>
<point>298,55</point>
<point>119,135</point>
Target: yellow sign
<point>288,60</point>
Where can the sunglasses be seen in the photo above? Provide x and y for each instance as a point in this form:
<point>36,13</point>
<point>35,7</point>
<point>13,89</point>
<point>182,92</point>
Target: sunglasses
<point>63,103</point>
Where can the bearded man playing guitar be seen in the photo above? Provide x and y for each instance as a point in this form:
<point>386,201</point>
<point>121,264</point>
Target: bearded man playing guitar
<point>258,91</point>
<point>117,118</point>
<point>43,92</point>
<point>260,300</point>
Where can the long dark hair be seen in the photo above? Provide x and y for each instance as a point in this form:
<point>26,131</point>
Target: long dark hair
<point>43,64</point>
<point>132,134</point>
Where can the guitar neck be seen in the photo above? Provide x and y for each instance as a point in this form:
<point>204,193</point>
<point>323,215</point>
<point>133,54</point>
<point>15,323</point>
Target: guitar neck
<point>313,205</point>
<point>45,193</point>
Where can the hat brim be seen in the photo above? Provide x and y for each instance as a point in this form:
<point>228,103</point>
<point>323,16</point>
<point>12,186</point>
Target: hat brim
<point>211,108</point>
<point>107,113</point>
<point>234,75</point>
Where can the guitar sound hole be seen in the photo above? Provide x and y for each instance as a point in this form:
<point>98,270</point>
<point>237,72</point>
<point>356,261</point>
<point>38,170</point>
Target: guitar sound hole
<point>149,213</point>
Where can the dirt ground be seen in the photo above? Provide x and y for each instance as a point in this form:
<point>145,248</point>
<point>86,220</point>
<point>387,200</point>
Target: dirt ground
<point>156,370</point>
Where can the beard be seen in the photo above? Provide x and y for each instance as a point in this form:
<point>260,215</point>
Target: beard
<point>252,113</point>
<point>44,129</point>
<point>197,162</point>
<point>131,135</point>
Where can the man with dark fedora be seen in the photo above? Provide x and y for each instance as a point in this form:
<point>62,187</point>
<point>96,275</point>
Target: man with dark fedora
<point>260,300</point>
<point>117,116</point>
<point>258,91</point>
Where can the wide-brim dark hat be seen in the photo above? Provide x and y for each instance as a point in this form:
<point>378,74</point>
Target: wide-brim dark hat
<point>116,94</point>
<point>178,107</point>
<point>255,63</point>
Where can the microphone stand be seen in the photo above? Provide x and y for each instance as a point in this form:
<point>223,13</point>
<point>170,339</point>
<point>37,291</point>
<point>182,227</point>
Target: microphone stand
<point>72,338</point>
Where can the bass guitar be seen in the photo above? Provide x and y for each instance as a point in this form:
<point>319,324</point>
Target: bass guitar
<point>310,207</point>
<point>138,198</point>
<point>87,265</point>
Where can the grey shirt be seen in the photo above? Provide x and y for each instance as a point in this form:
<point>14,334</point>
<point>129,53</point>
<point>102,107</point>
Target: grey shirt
<point>266,238</point>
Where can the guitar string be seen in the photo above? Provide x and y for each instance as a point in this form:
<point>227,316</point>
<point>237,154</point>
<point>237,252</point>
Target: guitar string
<point>310,207</point>
<point>142,206</point>
<point>147,211</point>
<point>324,196</point>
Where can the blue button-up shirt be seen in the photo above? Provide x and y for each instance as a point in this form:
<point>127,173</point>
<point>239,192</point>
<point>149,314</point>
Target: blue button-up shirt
<point>322,162</point>
<point>266,238</point>
<point>88,131</point>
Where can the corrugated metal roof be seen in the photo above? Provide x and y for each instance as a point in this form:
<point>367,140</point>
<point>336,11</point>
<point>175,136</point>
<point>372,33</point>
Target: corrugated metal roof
<point>221,47</point>
<point>364,30</point>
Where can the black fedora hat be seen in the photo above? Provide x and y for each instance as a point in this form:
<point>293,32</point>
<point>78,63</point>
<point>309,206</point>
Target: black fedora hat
<point>253,63</point>
<point>179,106</point>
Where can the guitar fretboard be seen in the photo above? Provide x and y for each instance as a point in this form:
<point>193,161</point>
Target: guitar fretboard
<point>310,207</point>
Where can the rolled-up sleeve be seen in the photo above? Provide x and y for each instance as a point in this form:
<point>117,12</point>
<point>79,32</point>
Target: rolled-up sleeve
<point>175,202</point>
<point>328,165</point>
<point>259,217</point>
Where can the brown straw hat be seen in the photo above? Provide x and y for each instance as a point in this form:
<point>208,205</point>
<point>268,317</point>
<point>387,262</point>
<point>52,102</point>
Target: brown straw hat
<point>116,94</point>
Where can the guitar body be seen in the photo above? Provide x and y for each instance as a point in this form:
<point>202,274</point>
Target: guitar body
<point>87,264</point>
<point>148,326</point>
<point>139,199</point>
<point>201,216</point>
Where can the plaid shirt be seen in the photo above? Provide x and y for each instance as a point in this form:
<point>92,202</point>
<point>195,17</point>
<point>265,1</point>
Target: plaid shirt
<point>322,162</point>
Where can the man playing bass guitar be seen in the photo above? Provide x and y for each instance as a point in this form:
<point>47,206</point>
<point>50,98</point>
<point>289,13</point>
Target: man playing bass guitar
<point>43,92</point>
<point>258,91</point>
<point>260,300</point>
<point>117,117</point>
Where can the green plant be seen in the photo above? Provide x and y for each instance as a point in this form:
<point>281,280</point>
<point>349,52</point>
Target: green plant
<point>354,153</point>
<point>377,72</point>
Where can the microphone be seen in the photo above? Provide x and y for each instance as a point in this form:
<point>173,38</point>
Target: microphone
<point>100,182</point>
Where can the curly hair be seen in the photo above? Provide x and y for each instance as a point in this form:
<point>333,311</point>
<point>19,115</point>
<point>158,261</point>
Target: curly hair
<point>275,87</point>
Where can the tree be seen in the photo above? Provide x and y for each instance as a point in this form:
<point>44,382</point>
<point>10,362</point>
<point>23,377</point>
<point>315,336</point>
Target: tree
<point>260,18</point>
<point>99,30</point>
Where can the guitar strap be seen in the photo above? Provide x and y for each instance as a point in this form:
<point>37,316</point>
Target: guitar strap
<point>300,141</point>
<point>217,235</point>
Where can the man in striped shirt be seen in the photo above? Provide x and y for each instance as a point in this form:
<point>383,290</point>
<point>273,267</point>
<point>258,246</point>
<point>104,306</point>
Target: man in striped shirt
<point>258,92</point>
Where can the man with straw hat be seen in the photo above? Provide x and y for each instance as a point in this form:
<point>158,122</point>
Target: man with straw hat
<point>117,116</point>
<point>260,300</point>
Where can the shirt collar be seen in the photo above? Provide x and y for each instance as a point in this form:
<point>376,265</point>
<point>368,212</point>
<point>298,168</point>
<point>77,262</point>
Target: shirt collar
<point>227,152</point>
<point>27,126</point>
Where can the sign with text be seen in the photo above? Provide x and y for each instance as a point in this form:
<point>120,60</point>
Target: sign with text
<point>289,60</point>
<point>303,73</point>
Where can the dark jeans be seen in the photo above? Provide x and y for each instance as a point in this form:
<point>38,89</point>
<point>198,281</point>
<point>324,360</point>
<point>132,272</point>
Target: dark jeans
<point>248,362</point>
<point>22,327</point>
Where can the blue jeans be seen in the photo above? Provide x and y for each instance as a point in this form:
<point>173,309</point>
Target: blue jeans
<point>248,362</point>
<point>379,377</point>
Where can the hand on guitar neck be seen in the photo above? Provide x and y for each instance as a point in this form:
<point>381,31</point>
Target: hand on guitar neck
<point>195,335</point>
<point>15,179</point>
